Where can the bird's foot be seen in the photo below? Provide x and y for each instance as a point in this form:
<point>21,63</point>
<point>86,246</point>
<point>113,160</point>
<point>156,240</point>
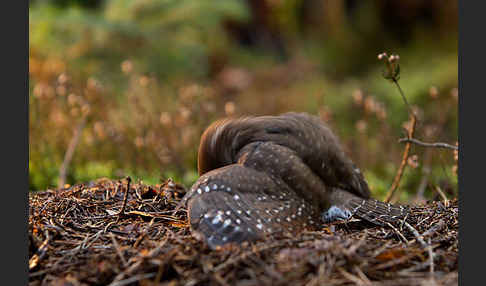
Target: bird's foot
<point>335,213</point>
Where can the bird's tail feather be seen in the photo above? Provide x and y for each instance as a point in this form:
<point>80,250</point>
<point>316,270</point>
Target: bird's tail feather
<point>375,211</point>
<point>344,205</point>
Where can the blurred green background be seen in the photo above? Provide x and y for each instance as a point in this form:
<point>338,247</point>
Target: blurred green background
<point>139,80</point>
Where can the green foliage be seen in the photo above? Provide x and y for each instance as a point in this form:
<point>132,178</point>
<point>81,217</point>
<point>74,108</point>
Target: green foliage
<point>379,185</point>
<point>166,37</point>
<point>42,173</point>
<point>91,170</point>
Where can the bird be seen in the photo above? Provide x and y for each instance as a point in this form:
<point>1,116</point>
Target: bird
<point>264,175</point>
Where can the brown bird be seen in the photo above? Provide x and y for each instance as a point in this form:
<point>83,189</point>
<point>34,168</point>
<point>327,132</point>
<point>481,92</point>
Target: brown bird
<point>269,174</point>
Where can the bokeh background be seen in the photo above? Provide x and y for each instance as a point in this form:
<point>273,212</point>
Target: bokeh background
<point>126,87</point>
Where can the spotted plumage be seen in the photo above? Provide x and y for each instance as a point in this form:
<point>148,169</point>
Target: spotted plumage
<point>270,174</point>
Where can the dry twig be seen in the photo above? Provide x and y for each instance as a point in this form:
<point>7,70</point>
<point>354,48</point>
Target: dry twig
<point>125,197</point>
<point>70,152</point>
<point>424,144</point>
<point>162,251</point>
<point>403,164</point>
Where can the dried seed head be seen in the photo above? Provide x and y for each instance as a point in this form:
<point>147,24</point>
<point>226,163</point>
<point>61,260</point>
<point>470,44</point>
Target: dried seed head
<point>433,92</point>
<point>454,93</point>
<point>382,56</point>
<point>63,78</point>
<point>361,126</point>
<point>126,66</point>
<point>413,161</point>
<point>394,58</point>
<point>229,108</point>
<point>358,96</point>
<point>165,118</point>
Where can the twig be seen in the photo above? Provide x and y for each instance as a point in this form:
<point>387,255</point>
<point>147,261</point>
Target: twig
<point>242,256</point>
<point>355,279</point>
<point>94,238</point>
<point>425,144</point>
<point>84,244</point>
<point>397,261</point>
<point>381,249</point>
<point>41,252</point>
<point>431,258</point>
<point>398,232</point>
<point>107,227</point>
<point>183,201</point>
<point>436,227</point>
<point>125,197</point>
<point>138,260</point>
<point>118,250</point>
<point>352,249</point>
<point>144,233</point>
<point>268,269</point>
<point>133,279</point>
<point>443,196</point>
<point>417,235</point>
<point>423,183</point>
<point>403,164</point>
<point>363,276</point>
<point>70,152</point>
<point>220,279</point>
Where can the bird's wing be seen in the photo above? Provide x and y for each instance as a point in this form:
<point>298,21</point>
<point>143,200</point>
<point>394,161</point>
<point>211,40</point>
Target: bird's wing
<point>236,203</point>
<point>316,145</point>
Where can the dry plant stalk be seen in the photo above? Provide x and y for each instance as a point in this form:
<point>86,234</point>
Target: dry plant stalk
<point>403,164</point>
<point>392,73</point>
<point>70,152</point>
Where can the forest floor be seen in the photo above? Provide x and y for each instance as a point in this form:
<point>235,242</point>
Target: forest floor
<point>98,234</point>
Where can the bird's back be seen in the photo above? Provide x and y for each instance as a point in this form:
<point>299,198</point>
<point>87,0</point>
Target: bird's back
<point>272,174</point>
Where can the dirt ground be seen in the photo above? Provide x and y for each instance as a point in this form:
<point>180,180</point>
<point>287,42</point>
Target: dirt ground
<point>100,234</point>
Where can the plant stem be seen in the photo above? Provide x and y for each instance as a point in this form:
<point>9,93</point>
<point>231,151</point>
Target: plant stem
<point>403,97</point>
